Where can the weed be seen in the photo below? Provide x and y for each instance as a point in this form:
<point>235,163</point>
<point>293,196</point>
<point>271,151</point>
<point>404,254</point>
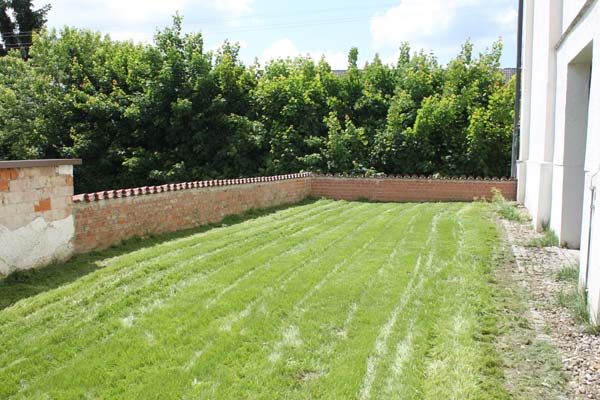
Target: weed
<point>568,274</point>
<point>575,300</point>
<point>506,209</point>
<point>548,238</point>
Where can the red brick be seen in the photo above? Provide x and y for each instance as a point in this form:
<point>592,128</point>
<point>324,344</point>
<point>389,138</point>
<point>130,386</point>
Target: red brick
<point>43,205</point>
<point>9,174</point>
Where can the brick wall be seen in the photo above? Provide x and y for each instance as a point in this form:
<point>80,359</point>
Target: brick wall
<point>410,189</point>
<point>36,222</point>
<point>41,221</point>
<point>106,218</point>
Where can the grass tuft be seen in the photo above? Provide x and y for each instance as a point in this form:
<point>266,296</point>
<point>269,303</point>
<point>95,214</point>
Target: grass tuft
<point>506,209</point>
<point>548,238</point>
<point>568,274</point>
<point>575,301</point>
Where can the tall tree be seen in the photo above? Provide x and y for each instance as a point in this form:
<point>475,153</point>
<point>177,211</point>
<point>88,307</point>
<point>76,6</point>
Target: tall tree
<point>17,31</point>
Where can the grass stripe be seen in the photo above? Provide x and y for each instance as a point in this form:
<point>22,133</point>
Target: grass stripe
<point>287,239</point>
<point>364,329</point>
<point>327,300</point>
<point>391,384</point>
<point>115,270</point>
<point>274,234</point>
<point>249,328</point>
<point>190,255</point>
<point>287,326</point>
<point>280,239</point>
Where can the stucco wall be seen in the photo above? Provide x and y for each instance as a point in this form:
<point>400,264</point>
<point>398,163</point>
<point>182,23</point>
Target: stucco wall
<point>36,220</point>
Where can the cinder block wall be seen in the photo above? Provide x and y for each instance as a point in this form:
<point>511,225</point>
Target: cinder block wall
<point>409,189</point>
<point>106,218</point>
<point>36,219</point>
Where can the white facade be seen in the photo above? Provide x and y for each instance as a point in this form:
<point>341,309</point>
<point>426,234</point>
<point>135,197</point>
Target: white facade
<point>559,162</point>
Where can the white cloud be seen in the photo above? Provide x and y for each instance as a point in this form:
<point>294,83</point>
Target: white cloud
<point>233,8</point>
<point>142,10</point>
<point>285,48</point>
<point>138,20</point>
<point>508,18</point>
<point>72,12</point>
<point>111,13</point>
<point>282,48</point>
<point>413,20</point>
<point>136,36</point>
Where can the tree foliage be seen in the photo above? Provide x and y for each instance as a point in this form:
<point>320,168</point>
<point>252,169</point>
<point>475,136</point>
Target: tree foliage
<point>170,111</point>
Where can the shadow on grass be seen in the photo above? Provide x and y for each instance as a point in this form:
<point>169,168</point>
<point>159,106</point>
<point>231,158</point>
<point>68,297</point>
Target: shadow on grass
<point>23,284</point>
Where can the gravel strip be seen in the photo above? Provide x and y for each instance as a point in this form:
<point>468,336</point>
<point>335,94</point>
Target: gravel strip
<point>536,268</point>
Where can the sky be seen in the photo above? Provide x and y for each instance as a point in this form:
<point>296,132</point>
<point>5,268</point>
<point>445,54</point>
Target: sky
<point>268,29</point>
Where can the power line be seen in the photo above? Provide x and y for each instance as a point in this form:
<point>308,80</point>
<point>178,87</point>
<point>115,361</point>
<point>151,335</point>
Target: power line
<point>17,46</point>
<point>16,35</point>
<point>297,24</point>
<point>295,14</point>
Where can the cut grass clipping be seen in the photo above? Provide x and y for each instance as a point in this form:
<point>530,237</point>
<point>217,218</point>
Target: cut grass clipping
<point>331,300</point>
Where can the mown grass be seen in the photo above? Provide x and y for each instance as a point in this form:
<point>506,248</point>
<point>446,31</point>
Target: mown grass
<point>333,300</point>
<point>23,284</point>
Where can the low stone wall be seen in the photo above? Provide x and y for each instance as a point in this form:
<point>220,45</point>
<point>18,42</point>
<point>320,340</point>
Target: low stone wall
<point>36,219</point>
<point>106,218</point>
<point>409,189</point>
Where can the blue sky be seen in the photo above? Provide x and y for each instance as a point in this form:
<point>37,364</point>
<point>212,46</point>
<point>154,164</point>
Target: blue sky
<point>269,29</point>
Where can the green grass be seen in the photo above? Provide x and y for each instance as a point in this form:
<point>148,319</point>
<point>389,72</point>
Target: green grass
<point>575,300</point>
<point>333,300</point>
<point>568,274</point>
<point>23,284</point>
<point>506,209</point>
<point>548,238</point>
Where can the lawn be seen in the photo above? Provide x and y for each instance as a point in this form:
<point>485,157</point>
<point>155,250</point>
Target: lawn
<point>334,300</point>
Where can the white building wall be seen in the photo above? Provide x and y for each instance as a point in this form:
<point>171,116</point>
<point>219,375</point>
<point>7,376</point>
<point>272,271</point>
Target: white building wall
<point>547,28</point>
<point>560,161</point>
<point>528,20</point>
<point>570,10</point>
